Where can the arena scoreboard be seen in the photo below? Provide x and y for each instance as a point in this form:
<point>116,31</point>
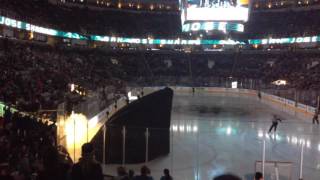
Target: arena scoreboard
<point>225,15</point>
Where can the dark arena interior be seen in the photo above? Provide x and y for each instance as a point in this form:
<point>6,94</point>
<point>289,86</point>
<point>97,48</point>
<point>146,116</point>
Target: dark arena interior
<point>159,89</point>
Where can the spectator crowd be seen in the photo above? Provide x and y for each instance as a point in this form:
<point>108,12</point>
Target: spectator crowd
<point>142,24</point>
<point>37,77</point>
<point>28,148</point>
<point>88,21</point>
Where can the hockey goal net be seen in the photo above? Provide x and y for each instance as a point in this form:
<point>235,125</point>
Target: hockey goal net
<point>275,170</point>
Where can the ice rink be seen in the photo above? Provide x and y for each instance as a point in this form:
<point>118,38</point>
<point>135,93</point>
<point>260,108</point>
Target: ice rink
<point>213,134</point>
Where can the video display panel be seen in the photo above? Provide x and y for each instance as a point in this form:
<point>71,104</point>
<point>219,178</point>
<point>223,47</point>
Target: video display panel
<point>214,10</point>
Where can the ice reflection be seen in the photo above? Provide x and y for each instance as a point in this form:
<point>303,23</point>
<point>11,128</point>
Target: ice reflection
<point>184,127</point>
<point>294,140</point>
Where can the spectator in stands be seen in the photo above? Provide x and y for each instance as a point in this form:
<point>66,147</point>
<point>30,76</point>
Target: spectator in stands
<point>116,104</point>
<point>227,177</point>
<point>7,115</point>
<point>27,150</point>
<point>4,172</point>
<point>149,173</point>
<point>166,175</point>
<point>34,76</point>
<point>144,174</point>
<point>87,168</point>
<point>258,176</point>
<point>52,168</point>
<point>127,99</point>
<point>1,122</point>
<point>131,174</point>
<point>108,113</point>
<point>121,174</point>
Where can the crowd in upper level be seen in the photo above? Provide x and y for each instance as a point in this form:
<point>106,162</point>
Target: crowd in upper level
<point>165,5</point>
<point>283,24</point>
<point>261,24</point>
<point>37,76</point>
<point>99,22</point>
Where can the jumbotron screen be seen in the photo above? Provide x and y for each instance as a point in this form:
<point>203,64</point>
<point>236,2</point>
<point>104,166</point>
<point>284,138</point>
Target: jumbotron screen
<point>214,10</point>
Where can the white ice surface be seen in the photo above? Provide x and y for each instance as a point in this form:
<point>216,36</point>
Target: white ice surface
<point>215,134</point>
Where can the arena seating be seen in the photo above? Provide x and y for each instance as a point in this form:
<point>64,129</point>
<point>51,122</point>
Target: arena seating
<point>102,22</point>
<point>285,23</point>
<point>36,76</point>
<point>29,149</point>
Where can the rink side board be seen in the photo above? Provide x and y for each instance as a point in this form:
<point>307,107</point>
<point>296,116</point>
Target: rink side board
<point>284,103</point>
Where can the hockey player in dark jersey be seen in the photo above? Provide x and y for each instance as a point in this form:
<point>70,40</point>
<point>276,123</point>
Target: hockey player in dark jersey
<point>275,122</point>
<point>315,117</point>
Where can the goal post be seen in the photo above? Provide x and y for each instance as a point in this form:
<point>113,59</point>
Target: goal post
<point>275,170</point>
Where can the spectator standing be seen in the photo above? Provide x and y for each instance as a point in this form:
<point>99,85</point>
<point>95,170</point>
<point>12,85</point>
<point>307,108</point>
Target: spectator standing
<point>227,177</point>
<point>87,168</point>
<point>258,176</point>
<point>7,115</point>
<point>131,174</point>
<point>144,174</point>
<point>122,174</point>
<point>52,168</point>
<point>166,175</point>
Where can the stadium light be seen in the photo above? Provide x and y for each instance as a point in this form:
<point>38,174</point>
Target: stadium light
<point>131,97</point>
<point>76,134</point>
<point>280,82</point>
<point>234,85</point>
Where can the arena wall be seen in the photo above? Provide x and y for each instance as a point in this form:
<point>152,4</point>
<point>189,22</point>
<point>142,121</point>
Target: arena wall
<point>286,105</point>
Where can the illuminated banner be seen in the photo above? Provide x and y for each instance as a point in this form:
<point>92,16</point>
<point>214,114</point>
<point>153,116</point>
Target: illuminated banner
<point>164,41</point>
<point>210,26</point>
<point>289,40</point>
<point>214,10</point>
<point>109,39</point>
<point>29,27</point>
<point>33,28</point>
